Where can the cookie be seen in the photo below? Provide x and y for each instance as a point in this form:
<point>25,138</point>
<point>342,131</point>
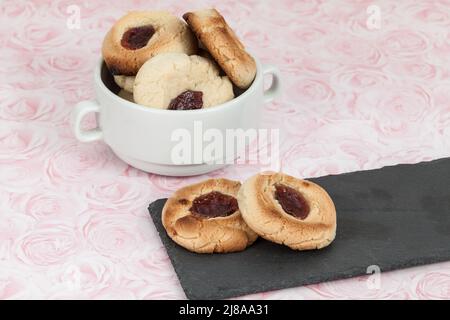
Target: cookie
<point>180,82</point>
<point>222,43</point>
<point>205,218</point>
<point>140,35</point>
<point>289,211</point>
<point>125,82</point>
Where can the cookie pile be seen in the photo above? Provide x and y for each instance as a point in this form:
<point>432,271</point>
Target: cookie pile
<point>160,61</point>
<point>220,215</point>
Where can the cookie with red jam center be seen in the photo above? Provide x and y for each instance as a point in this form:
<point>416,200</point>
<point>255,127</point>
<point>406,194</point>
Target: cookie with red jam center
<point>205,218</point>
<point>141,35</point>
<point>289,211</point>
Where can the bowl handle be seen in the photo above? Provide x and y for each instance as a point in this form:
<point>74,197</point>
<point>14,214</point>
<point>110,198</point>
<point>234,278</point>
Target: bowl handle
<point>78,113</point>
<point>275,88</point>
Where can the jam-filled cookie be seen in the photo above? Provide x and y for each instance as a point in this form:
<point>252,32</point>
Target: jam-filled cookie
<point>289,211</point>
<point>222,43</point>
<point>177,81</point>
<point>140,35</point>
<point>205,218</point>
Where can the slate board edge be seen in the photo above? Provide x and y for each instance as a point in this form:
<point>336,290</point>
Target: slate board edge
<point>337,276</point>
<point>349,274</point>
<point>383,167</point>
<point>357,272</point>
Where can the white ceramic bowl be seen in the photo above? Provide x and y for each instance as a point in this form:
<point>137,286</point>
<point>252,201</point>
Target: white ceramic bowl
<point>142,136</point>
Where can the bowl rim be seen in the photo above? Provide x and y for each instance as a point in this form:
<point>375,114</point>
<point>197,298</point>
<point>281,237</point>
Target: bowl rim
<point>138,107</point>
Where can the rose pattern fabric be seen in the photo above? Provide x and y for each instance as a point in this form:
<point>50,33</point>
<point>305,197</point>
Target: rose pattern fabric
<point>73,217</point>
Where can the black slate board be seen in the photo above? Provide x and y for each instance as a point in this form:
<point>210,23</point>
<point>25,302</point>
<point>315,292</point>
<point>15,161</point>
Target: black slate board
<point>394,217</point>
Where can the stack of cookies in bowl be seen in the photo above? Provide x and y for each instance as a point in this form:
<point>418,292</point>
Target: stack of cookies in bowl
<point>161,77</point>
<point>160,61</point>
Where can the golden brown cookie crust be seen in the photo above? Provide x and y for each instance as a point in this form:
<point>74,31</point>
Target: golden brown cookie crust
<point>222,43</point>
<point>171,35</point>
<point>221,234</point>
<point>264,214</point>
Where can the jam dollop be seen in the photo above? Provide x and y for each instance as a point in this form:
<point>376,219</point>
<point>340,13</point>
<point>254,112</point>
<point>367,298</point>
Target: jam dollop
<point>138,37</point>
<point>214,204</point>
<point>292,201</point>
<point>188,100</point>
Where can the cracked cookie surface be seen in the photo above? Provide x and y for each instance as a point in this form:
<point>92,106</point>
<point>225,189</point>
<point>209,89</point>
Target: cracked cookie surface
<point>224,46</point>
<point>269,203</point>
<point>164,77</point>
<point>212,231</point>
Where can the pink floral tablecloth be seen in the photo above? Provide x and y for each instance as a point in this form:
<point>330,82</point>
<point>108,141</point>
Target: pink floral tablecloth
<point>366,84</point>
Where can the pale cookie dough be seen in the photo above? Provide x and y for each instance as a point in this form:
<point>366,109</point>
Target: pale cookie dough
<point>140,35</point>
<point>164,77</point>
<point>222,43</point>
<point>125,82</point>
<point>219,228</point>
<point>313,226</point>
